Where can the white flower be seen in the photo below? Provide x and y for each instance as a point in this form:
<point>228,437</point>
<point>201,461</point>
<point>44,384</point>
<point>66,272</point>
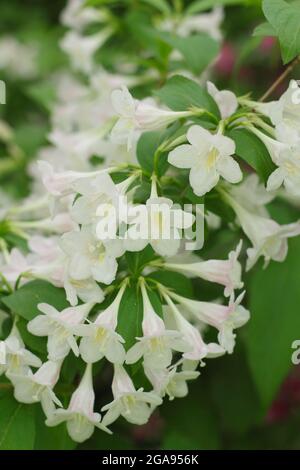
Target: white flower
<point>77,16</point>
<point>198,348</point>
<point>86,289</point>
<point>16,265</point>
<point>89,257</point>
<point>225,99</point>
<point>269,239</point>
<point>17,358</point>
<point>225,318</point>
<point>59,184</point>
<point>82,48</point>
<point>37,387</point>
<point>159,223</point>
<point>170,382</point>
<point>80,416</point>
<point>287,173</point>
<point>79,145</point>
<point>274,147</point>
<point>285,110</point>
<point>209,157</point>
<point>252,194</point>
<point>157,342</point>
<point>204,23</point>
<point>100,338</point>
<point>59,327</point>
<point>19,60</point>
<point>132,404</point>
<point>225,272</point>
<point>135,115</point>
<point>99,194</point>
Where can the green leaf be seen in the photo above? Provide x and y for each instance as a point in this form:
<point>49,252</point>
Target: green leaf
<point>146,148</point>
<point>102,441</point>
<point>43,93</point>
<point>176,281</point>
<point>275,322</point>
<point>130,315</point>
<point>47,438</point>
<point>285,19</point>
<point>35,343</point>
<point>160,5</point>
<point>198,50</point>
<point>264,29</point>
<point>252,150</point>
<point>136,261</point>
<point>25,300</point>
<point>180,93</point>
<point>17,427</point>
<point>234,394</point>
<point>190,422</point>
<point>202,5</point>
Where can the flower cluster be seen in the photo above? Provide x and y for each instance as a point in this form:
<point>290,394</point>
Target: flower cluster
<point>124,307</point>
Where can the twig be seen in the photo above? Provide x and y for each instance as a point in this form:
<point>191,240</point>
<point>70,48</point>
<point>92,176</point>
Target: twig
<point>280,79</point>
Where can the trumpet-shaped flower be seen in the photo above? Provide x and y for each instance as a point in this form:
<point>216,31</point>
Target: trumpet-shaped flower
<point>86,289</point>
<point>135,115</point>
<point>59,184</point>
<point>80,416</point>
<point>134,405</point>
<point>252,194</point>
<point>37,387</point>
<point>17,359</point>
<point>287,173</point>
<point>100,338</point>
<point>157,343</point>
<point>269,239</point>
<point>225,272</point>
<point>285,110</point>
<point>225,318</point>
<point>274,147</point>
<point>59,327</point>
<point>198,348</point>
<point>209,156</point>
<point>170,382</point>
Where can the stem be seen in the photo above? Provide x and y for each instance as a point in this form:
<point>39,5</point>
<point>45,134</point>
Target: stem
<point>280,79</point>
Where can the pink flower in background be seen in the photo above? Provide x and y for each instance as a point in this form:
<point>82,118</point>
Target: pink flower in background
<point>226,60</point>
<point>267,44</point>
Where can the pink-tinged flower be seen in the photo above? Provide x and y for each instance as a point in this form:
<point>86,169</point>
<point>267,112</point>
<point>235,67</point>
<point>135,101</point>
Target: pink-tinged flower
<point>225,272</point>
<point>198,348</point>
<point>225,318</point>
